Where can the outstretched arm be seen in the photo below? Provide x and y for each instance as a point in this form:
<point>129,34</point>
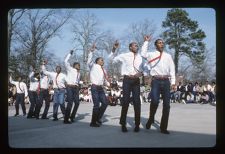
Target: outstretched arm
<point>43,68</point>
<point>25,90</point>
<point>11,81</point>
<point>112,54</point>
<point>90,61</point>
<point>67,64</point>
<point>144,47</point>
<point>172,71</point>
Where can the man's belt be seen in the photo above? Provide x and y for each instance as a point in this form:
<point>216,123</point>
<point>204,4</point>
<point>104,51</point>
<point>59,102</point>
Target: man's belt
<point>97,85</point>
<point>72,86</point>
<point>59,88</point>
<point>42,89</point>
<point>132,77</point>
<point>161,77</point>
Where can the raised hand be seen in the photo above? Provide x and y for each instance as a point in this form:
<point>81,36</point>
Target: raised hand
<point>44,62</point>
<point>147,37</point>
<point>71,52</point>
<point>93,47</point>
<point>115,46</point>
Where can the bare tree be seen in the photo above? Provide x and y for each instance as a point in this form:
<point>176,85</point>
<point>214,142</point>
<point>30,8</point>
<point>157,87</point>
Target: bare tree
<point>32,32</point>
<point>39,26</point>
<point>195,72</point>
<point>86,31</point>
<point>207,70</point>
<point>137,31</point>
<point>14,16</point>
<point>106,46</point>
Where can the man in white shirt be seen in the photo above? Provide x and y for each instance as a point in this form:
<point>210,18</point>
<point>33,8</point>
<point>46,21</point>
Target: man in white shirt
<point>32,93</point>
<point>59,80</point>
<point>43,96</point>
<point>163,75</point>
<point>98,77</point>
<point>22,93</point>
<point>72,88</point>
<point>132,68</point>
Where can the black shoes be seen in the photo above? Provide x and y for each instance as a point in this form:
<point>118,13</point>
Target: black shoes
<point>67,122</point>
<point>16,114</point>
<point>136,129</point>
<point>55,119</point>
<point>124,128</point>
<point>94,125</point>
<point>72,120</point>
<point>164,131</point>
<point>99,122</point>
<point>44,118</point>
<point>148,125</point>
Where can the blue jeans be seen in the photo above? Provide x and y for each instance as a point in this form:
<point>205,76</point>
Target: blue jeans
<point>98,96</point>
<point>72,96</point>
<point>160,87</point>
<point>131,85</point>
<point>58,99</point>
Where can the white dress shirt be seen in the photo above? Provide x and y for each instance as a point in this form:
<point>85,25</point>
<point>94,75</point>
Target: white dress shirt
<point>21,87</point>
<point>58,81</point>
<point>164,66</point>
<point>73,76</point>
<point>131,63</point>
<point>97,76</point>
<point>44,82</point>
<point>33,82</point>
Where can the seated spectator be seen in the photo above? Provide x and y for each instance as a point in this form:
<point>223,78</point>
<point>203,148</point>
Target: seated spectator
<point>204,98</point>
<point>110,98</point>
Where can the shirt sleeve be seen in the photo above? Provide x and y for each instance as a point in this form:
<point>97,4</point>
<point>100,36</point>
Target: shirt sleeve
<point>172,69</point>
<point>25,89</point>
<point>67,64</point>
<point>50,74</point>
<point>115,58</point>
<point>144,50</point>
<point>31,76</point>
<point>11,81</point>
<point>90,60</point>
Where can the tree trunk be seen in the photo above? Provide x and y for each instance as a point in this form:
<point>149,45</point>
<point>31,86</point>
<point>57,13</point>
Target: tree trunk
<point>10,30</point>
<point>176,60</point>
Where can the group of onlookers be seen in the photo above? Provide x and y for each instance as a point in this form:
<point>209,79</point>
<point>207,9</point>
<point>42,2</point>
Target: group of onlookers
<point>194,93</point>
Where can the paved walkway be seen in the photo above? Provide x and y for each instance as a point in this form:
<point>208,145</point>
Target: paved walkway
<point>190,125</point>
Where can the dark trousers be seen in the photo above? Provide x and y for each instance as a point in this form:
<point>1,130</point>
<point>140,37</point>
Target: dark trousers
<point>160,87</point>
<point>44,96</point>
<point>131,85</point>
<point>98,96</point>
<point>72,96</point>
<point>33,97</point>
<point>20,100</point>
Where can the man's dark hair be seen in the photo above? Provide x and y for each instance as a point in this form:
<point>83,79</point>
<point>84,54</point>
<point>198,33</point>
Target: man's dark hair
<point>97,59</point>
<point>156,41</point>
<point>131,44</point>
<point>75,63</point>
